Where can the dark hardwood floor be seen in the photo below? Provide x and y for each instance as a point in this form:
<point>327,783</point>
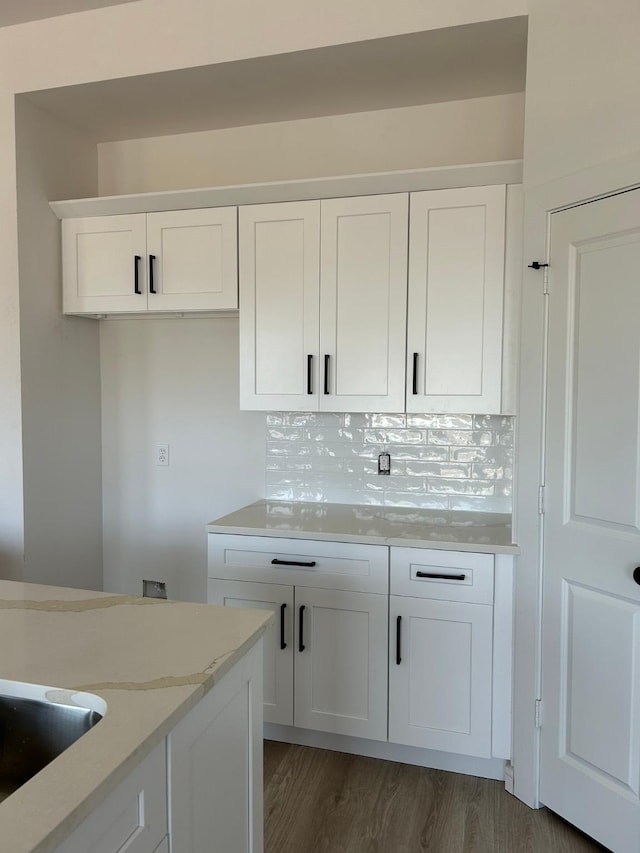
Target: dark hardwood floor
<point>329,802</point>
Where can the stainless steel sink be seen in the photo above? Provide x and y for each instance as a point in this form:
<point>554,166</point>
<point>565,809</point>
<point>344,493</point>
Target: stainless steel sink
<point>36,725</point>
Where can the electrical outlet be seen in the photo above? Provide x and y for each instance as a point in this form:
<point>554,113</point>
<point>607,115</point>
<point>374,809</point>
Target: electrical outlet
<point>384,463</point>
<point>162,454</point>
<point>154,589</point>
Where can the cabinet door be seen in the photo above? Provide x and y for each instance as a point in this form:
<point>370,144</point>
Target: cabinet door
<point>193,260</point>
<point>279,306</point>
<point>363,301</point>
<point>277,643</point>
<point>341,662</point>
<point>103,260</point>
<point>440,675</point>
<point>456,284</point>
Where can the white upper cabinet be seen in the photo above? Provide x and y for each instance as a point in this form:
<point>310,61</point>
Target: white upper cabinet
<point>455,305</point>
<point>363,293</point>
<point>323,304</point>
<point>176,261</point>
<point>279,305</point>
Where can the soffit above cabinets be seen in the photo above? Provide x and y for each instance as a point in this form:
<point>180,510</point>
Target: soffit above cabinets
<point>453,63</point>
<point>20,11</point>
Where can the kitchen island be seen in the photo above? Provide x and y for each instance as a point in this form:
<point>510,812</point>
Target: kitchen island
<point>173,675</point>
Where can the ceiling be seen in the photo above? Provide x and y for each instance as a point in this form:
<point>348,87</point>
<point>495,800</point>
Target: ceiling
<point>454,63</point>
<point>20,11</point>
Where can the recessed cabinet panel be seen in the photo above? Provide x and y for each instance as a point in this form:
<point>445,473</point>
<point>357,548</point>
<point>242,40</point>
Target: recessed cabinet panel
<point>456,292</point>
<point>279,305</point>
<point>100,270</point>
<point>195,266</point>
<point>440,669</point>
<point>278,641</point>
<point>363,303</point>
<point>340,663</point>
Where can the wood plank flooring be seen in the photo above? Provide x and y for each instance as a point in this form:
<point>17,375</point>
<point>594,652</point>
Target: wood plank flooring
<point>318,801</point>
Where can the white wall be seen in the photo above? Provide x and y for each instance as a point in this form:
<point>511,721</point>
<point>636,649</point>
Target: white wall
<point>172,381</point>
<point>146,37</point>
<point>472,131</point>
<point>59,364</point>
<point>583,85</point>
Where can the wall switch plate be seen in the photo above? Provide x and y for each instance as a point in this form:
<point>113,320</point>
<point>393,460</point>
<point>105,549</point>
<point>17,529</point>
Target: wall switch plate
<point>162,454</point>
<point>384,463</point>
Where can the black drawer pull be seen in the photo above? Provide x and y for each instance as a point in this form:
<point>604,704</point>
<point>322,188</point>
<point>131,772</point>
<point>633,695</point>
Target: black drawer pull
<point>301,629</point>
<point>398,635</point>
<point>283,642</point>
<point>325,390</point>
<point>440,577</point>
<point>414,388</point>
<point>277,562</point>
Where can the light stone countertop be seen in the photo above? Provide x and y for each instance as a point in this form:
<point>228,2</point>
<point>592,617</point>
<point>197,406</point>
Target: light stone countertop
<point>373,525</point>
<point>151,661</point>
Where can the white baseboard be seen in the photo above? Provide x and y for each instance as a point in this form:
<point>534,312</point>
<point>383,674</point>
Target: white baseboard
<point>486,768</point>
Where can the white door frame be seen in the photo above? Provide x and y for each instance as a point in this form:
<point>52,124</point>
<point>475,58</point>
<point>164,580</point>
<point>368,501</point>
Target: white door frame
<point>539,203</point>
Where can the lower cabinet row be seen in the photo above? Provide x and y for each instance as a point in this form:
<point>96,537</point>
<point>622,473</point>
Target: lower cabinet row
<point>408,670</point>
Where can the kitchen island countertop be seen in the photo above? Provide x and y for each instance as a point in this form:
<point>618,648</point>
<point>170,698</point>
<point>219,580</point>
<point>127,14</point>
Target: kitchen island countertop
<point>372,525</point>
<point>151,661</point>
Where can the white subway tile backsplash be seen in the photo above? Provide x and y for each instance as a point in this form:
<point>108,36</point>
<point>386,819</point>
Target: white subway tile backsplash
<point>454,462</point>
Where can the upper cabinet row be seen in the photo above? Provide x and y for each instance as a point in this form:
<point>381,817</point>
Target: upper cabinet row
<point>326,319</point>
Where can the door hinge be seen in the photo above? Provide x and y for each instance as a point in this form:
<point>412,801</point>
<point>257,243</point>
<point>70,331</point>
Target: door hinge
<point>541,500</point>
<point>538,713</point>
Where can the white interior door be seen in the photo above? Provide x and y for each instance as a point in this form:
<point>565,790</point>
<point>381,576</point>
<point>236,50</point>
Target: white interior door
<point>590,739</point>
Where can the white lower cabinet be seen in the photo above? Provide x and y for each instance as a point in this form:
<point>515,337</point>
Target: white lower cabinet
<point>324,658</point>
<point>410,647</point>
<point>200,789</point>
<point>440,675</point>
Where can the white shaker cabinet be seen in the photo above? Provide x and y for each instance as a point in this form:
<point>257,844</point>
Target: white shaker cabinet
<point>455,302</point>
<point>441,650</point>
<point>323,304</point>
<point>279,267</point>
<point>325,660</point>
<point>175,261</point>
<point>278,641</point>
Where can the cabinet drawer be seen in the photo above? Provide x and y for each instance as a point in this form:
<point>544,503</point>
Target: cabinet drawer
<point>444,575</point>
<point>133,818</point>
<point>302,562</point>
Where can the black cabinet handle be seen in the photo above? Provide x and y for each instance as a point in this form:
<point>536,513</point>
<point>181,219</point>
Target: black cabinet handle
<point>283,643</point>
<point>326,374</point>
<point>136,274</point>
<point>415,373</point>
<point>309,374</point>
<point>152,287</point>
<point>636,575</point>
<point>440,577</point>
<point>301,629</point>
<point>277,562</point>
<point>398,635</point>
